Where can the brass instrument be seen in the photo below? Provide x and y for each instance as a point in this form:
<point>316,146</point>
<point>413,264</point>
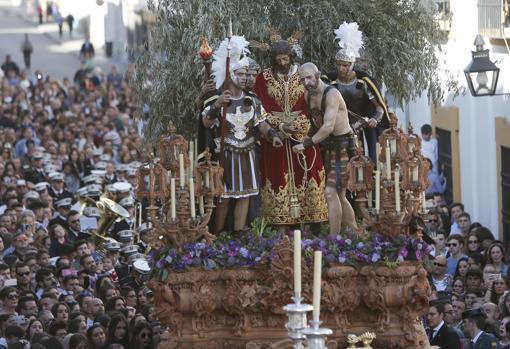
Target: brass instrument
<point>110,211</point>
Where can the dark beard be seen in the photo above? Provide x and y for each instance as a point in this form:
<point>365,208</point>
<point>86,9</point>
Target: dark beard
<point>282,69</point>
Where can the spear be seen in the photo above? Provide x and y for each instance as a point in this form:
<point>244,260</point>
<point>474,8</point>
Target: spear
<point>226,86</point>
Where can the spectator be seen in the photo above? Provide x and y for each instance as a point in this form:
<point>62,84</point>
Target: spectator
<point>464,222</point>
<point>495,255</point>
<point>27,50</point>
<point>440,280</point>
<point>455,245</point>
<point>440,333</point>
<point>96,336</point>
<point>455,210</point>
<point>474,323</point>
<point>142,336</point>
<point>429,146</point>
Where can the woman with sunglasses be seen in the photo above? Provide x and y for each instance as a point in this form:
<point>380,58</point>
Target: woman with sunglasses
<point>8,300</point>
<point>473,243</point>
<point>142,336</point>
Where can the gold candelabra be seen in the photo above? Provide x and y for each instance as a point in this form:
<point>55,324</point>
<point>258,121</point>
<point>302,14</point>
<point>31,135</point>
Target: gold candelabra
<point>180,188</point>
<point>399,182</point>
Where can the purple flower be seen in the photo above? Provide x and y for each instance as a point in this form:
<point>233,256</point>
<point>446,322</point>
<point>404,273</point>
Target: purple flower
<point>243,252</point>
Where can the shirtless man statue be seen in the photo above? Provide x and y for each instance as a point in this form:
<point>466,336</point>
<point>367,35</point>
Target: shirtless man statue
<point>330,129</point>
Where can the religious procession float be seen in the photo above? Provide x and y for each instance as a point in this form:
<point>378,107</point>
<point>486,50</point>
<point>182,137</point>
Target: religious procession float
<point>284,282</point>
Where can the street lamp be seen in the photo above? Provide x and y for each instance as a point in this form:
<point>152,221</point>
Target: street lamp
<point>481,74</point>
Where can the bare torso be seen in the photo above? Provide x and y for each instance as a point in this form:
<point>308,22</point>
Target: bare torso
<point>333,100</point>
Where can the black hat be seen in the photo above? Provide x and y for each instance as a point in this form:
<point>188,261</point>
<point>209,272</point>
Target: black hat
<point>473,314</point>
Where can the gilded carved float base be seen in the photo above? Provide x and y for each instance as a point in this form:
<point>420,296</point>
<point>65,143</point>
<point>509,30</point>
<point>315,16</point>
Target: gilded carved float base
<point>242,308</point>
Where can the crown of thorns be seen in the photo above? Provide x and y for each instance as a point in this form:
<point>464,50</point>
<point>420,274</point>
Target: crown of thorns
<point>275,37</point>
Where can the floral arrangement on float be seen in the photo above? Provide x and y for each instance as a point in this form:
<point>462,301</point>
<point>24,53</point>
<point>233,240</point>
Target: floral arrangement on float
<point>250,249</point>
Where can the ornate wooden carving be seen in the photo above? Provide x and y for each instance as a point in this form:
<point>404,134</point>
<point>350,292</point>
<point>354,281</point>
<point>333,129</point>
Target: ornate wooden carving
<point>241,308</point>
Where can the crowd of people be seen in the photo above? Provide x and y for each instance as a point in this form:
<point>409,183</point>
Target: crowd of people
<point>469,279</point>
<point>63,144</point>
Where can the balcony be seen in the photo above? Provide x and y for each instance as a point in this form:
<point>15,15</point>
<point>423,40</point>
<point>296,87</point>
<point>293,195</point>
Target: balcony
<point>494,18</point>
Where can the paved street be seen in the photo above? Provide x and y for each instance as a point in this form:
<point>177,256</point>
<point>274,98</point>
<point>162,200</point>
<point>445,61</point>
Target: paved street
<point>52,56</point>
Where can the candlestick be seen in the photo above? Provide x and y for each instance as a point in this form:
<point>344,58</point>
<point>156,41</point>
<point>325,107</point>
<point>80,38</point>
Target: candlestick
<point>388,161</point>
<point>172,198</point>
<point>377,155</point>
<point>201,205</point>
<point>377,190</point>
<point>397,190</point>
<point>181,170</point>
<point>317,269</point>
<point>297,261</point>
<point>192,197</point>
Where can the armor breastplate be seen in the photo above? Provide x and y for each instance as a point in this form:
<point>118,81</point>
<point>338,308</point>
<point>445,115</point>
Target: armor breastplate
<point>355,97</point>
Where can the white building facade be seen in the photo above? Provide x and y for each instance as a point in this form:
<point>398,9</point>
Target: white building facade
<point>474,131</point>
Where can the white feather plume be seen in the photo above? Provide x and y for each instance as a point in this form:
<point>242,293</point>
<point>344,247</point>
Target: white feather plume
<point>238,57</point>
<point>350,38</point>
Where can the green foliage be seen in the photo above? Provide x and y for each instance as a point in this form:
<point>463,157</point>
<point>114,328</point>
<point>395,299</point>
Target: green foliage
<point>401,46</point>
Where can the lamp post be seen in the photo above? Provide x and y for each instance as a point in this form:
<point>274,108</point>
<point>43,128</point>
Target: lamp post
<point>481,74</point>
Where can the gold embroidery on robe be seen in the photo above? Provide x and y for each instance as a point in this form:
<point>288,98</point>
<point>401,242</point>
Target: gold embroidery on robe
<point>276,206</point>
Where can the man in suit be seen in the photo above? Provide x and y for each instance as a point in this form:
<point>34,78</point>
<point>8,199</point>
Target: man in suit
<point>474,322</point>
<point>439,333</point>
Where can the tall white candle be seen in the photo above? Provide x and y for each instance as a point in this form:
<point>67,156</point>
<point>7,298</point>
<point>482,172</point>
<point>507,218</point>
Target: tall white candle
<point>424,203</point>
<point>377,190</point>
<point>181,170</point>
<point>377,154</point>
<point>397,190</point>
<point>172,198</point>
<point>297,261</point>
<point>201,205</point>
<point>317,269</point>
<point>140,214</point>
<point>207,179</point>
<point>191,159</point>
<point>388,161</point>
<point>360,174</point>
<point>196,149</point>
<point>415,174</point>
<point>370,204</point>
<point>192,197</point>
<point>168,177</point>
<point>393,146</point>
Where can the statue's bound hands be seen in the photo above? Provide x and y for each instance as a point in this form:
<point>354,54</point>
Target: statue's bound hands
<point>298,148</point>
<point>277,142</point>
<point>287,128</point>
<point>372,123</point>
